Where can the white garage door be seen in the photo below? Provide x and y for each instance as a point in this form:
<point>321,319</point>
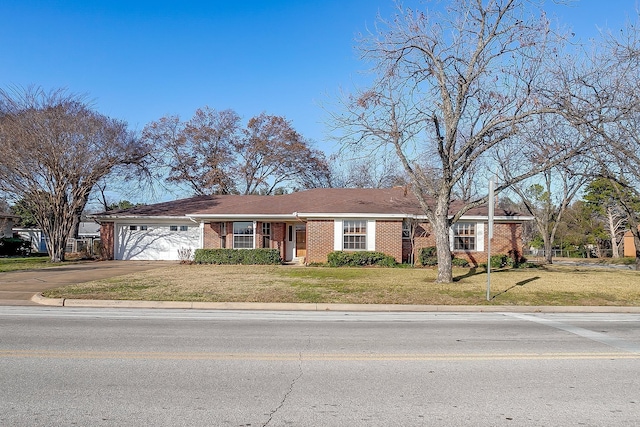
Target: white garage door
<point>155,241</point>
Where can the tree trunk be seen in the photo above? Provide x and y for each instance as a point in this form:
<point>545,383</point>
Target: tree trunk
<point>612,232</point>
<point>548,250</point>
<point>636,241</point>
<point>441,231</point>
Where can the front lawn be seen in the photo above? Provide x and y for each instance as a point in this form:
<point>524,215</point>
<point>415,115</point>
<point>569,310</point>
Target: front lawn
<point>551,285</point>
<point>24,263</point>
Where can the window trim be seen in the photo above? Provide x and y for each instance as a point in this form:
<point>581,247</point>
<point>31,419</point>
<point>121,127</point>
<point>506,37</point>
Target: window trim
<point>266,234</point>
<point>465,236</point>
<point>353,228</point>
<point>253,234</point>
<point>223,235</point>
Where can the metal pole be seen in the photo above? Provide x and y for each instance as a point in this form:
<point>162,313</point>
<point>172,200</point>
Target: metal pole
<point>491,211</point>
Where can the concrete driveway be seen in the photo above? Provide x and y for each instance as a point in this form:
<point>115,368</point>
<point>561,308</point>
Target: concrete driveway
<point>17,287</point>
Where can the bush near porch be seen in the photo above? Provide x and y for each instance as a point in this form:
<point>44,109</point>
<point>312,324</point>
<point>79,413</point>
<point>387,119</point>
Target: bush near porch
<point>238,256</point>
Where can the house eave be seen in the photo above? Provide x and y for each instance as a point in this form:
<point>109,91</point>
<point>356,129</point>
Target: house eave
<point>242,217</point>
<point>109,218</point>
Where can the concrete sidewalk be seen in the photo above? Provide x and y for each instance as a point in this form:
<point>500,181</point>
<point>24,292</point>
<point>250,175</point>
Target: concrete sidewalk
<point>18,287</point>
<point>66,302</point>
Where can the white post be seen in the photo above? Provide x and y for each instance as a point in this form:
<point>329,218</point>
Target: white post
<point>491,203</point>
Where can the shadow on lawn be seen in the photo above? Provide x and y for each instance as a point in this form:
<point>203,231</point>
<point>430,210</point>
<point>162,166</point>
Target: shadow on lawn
<point>520,283</point>
<point>475,271</point>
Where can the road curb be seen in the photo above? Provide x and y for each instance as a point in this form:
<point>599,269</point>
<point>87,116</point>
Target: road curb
<point>67,302</point>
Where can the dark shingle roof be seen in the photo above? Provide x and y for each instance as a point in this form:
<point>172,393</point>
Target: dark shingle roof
<point>391,201</point>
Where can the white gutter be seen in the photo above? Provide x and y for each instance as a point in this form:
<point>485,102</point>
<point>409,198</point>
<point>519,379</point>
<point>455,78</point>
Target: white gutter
<point>296,215</point>
<point>242,216</point>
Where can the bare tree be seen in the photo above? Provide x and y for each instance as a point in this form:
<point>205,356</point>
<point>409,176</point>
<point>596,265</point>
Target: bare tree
<point>53,150</point>
<point>213,154</point>
<point>350,170</point>
<point>199,152</point>
<point>449,89</point>
<point>548,200</point>
<point>273,153</point>
<point>606,104</point>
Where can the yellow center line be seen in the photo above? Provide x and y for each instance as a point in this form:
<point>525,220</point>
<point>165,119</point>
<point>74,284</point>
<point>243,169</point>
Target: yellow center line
<point>321,357</point>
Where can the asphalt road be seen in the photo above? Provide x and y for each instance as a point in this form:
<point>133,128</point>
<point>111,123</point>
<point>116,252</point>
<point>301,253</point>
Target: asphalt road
<point>115,367</point>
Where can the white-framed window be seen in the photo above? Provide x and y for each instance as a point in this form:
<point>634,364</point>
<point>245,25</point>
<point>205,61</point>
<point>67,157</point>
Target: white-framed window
<point>464,236</point>
<point>143,227</point>
<point>223,235</point>
<point>184,228</point>
<point>243,235</point>
<point>266,234</point>
<point>354,234</point>
<point>133,227</point>
<point>406,229</point>
<point>173,228</point>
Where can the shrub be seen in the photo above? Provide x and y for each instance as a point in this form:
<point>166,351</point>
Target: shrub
<point>11,246</point>
<point>459,262</point>
<point>428,256</point>
<point>185,255</point>
<point>238,256</point>
<point>515,259</point>
<point>356,259</point>
<point>498,261</point>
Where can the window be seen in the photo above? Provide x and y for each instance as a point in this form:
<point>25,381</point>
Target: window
<point>406,229</point>
<point>223,235</point>
<point>133,227</point>
<point>173,228</point>
<point>143,227</point>
<point>354,235</point>
<point>266,234</point>
<point>184,228</point>
<point>243,235</point>
<point>464,236</point>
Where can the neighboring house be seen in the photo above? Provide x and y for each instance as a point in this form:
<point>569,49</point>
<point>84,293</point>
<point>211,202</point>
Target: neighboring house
<point>305,226</point>
<point>6,224</point>
<point>88,237</point>
<point>35,236</point>
<point>629,244</point>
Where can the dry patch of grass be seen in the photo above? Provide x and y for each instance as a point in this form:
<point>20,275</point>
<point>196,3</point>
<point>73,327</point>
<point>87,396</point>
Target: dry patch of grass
<point>539,286</point>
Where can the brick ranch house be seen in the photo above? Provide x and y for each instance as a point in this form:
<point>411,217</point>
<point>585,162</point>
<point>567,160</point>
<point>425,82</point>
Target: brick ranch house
<point>305,226</point>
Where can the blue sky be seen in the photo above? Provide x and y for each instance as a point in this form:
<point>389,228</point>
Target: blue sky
<point>140,60</point>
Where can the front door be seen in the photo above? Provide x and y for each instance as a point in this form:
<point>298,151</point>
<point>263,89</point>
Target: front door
<point>301,243</point>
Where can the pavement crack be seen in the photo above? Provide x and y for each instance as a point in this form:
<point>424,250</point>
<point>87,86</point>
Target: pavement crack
<point>286,395</point>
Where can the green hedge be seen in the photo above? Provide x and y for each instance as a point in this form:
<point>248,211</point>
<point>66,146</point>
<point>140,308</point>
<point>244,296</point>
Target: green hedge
<point>11,246</point>
<point>360,258</point>
<point>238,256</point>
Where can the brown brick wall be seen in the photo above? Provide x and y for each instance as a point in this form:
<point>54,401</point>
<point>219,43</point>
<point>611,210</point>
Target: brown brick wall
<point>278,232</point>
<point>506,237</point>
<point>107,240</point>
<point>389,238</point>
<point>319,240</point>
<point>212,235</point>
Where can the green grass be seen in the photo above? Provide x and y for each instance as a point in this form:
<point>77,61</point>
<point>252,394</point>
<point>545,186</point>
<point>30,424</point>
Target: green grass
<point>547,285</point>
<point>24,263</point>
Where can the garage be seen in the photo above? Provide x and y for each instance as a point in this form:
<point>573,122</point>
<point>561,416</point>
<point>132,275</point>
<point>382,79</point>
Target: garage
<point>155,241</point>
